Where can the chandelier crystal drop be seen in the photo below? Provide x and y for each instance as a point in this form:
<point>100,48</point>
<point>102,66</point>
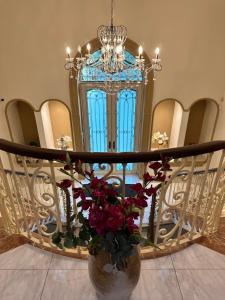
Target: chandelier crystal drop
<point>112,64</point>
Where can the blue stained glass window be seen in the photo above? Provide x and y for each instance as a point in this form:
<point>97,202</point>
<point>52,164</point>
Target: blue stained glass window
<point>91,73</point>
<point>97,108</point>
<point>126,112</point>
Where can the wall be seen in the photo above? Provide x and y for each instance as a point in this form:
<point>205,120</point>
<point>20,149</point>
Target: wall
<point>60,120</point>
<point>163,118</point>
<point>195,123</point>
<point>28,124</point>
<point>208,122</point>
<point>175,129</point>
<point>47,127</point>
<point>15,123</point>
<point>34,35</point>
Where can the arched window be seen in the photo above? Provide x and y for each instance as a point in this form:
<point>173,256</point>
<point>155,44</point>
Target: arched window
<point>109,121</point>
<point>93,78</point>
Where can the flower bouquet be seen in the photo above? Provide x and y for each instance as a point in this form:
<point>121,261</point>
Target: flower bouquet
<point>107,218</point>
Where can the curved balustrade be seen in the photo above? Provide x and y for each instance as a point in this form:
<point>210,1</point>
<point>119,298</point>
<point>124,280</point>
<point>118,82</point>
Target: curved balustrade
<point>187,206</point>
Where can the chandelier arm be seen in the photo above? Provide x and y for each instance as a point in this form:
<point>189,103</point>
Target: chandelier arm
<point>111,65</point>
<point>112,12</point>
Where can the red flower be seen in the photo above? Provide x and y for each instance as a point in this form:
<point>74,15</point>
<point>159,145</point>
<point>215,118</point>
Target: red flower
<point>97,219</point>
<point>161,177</point>
<point>110,218</point>
<point>150,191</point>
<point>65,184</point>
<point>111,192</point>
<point>130,225</point>
<point>67,167</point>
<point>115,217</point>
<point>86,204</point>
<point>147,177</point>
<point>79,193</point>
<point>97,183</point>
<point>166,166</point>
<point>155,165</point>
<point>98,194</point>
<point>128,202</point>
<point>141,202</point>
<point>137,187</point>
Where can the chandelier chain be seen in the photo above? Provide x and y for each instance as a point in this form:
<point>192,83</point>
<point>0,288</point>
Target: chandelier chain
<point>112,12</point>
<point>115,69</point>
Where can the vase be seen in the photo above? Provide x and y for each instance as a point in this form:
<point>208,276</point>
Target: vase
<point>109,283</point>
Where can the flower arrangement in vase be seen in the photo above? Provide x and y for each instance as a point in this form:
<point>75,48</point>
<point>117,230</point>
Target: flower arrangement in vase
<point>161,139</point>
<point>108,226</point>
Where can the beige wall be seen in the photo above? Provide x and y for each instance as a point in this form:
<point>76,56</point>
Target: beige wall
<point>176,125</point>
<point>28,123</point>
<point>163,118</point>
<point>208,122</point>
<point>15,123</point>
<point>195,123</point>
<point>47,126</point>
<point>60,120</point>
<point>34,35</point>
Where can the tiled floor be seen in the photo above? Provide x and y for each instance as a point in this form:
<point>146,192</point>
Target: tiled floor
<point>29,273</point>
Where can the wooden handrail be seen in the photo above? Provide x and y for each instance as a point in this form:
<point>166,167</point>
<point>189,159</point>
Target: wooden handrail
<point>107,157</point>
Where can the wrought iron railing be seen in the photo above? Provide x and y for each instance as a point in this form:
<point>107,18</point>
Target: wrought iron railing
<point>186,206</point>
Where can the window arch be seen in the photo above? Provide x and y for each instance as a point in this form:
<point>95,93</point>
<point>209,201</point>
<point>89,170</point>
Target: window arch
<point>92,82</point>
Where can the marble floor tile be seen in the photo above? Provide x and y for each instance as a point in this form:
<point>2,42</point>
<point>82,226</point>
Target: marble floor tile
<point>76,285</point>
<point>67,285</point>
<point>159,263</point>
<point>21,284</point>
<point>157,285</point>
<point>198,257</point>
<point>202,284</point>
<point>25,257</point>
<point>66,263</point>
<point>60,262</point>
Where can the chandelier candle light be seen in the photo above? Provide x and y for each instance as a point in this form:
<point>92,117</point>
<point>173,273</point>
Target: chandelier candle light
<point>112,59</point>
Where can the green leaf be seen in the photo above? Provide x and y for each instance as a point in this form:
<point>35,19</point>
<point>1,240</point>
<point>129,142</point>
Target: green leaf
<point>57,237</point>
<point>68,242</point>
<point>109,237</point>
<point>68,159</point>
<point>72,217</point>
<point>75,241</point>
<point>135,239</point>
<point>84,234</point>
<point>60,245</point>
<point>79,204</point>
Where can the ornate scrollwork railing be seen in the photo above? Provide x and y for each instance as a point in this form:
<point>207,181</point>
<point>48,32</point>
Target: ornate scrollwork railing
<point>186,206</point>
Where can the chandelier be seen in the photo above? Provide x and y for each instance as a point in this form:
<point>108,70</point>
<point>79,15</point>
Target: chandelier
<point>111,66</point>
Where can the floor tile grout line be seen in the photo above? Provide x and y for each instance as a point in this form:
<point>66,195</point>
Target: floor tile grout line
<point>46,277</point>
<point>177,278</point>
<point>195,269</point>
<point>13,269</point>
<point>199,269</point>
<point>153,269</point>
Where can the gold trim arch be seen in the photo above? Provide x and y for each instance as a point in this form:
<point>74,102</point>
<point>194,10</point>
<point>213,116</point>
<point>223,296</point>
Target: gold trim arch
<point>37,110</point>
<point>217,112</point>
